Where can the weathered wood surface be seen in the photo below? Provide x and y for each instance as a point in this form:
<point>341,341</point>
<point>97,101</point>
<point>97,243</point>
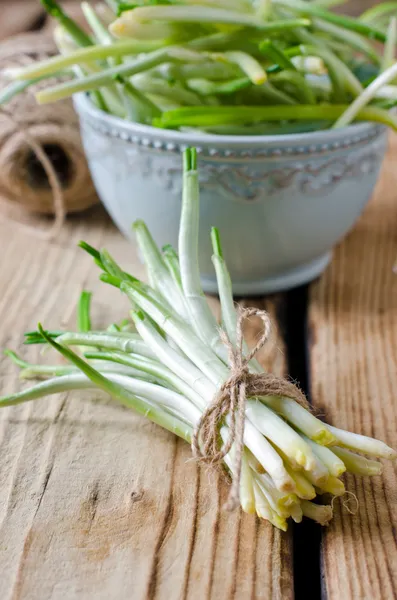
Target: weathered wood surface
<point>94,501</point>
<point>353,328</point>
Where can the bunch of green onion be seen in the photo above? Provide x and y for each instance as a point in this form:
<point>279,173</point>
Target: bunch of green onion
<point>225,66</point>
<point>168,362</point>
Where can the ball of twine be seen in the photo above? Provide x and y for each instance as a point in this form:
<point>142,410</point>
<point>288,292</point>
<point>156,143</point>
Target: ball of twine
<point>43,168</point>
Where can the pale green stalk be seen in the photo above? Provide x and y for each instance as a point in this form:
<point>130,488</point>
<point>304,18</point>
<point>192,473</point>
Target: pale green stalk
<point>247,498</point>
<point>389,52</point>
<point>318,474</point>
<point>304,489</point>
<point>125,396</point>
<point>218,71</point>
<point>194,14</point>
<point>267,456</point>
<point>215,88</point>
<point>200,354</point>
<point>387,92</point>
<point>362,443</point>
<point>159,395</point>
<point>281,434</point>
<point>359,465</point>
<point>79,381</point>
<point>201,317</point>
<point>162,280</point>
<point>153,393</point>
<point>301,418</point>
<point>303,91</point>
<point>309,9</point>
<point>338,70</point>
<point>333,486</point>
<point>239,5</point>
<point>173,360</point>
<point>321,514</point>
<point>110,98</point>
<point>264,510</point>
<point>127,342</point>
<point>81,56</point>
<point>279,501</point>
<point>100,31</point>
<point>45,371</point>
<point>378,11</point>
<point>224,284</point>
<point>74,381</point>
<point>262,506</point>
<point>297,513</point>
<point>103,78</point>
<point>367,95</point>
<point>333,463</point>
<point>153,368</point>
<point>350,39</point>
<point>14,88</point>
<point>249,65</point>
<point>135,104</point>
<point>151,85</point>
<point>312,65</point>
<point>264,9</point>
<point>269,92</point>
<point>171,261</point>
<point>155,30</point>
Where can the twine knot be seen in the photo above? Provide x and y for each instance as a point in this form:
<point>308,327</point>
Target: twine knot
<point>229,404</point>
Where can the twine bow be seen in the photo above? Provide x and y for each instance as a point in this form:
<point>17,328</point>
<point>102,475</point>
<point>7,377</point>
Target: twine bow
<point>229,403</point>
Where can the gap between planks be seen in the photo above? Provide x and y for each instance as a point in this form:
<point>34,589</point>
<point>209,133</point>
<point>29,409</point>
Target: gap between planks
<point>353,335</point>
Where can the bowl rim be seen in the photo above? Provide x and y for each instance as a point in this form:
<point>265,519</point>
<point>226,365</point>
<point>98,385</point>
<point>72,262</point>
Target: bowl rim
<point>357,132</point>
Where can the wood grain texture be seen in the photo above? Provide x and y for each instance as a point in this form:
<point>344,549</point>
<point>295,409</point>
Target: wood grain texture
<point>353,319</point>
<point>96,502</point>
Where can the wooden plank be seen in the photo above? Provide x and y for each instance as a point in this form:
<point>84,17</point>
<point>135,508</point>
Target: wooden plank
<point>95,502</point>
<point>353,320</point>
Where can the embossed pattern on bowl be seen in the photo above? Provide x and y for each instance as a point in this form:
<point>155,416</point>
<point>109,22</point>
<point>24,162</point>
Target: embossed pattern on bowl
<point>281,202</point>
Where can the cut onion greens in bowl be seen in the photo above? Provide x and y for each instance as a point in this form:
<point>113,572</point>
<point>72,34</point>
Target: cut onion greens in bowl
<point>224,66</point>
<point>172,363</point>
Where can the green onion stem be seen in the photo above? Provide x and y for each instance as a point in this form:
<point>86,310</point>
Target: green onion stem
<point>378,11</point>
<point>195,14</point>
<point>201,317</point>
<point>83,312</point>
<point>271,51</point>
<point>74,30</point>
<point>367,95</point>
<point>171,261</point>
<point>302,89</point>
<point>119,341</point>
<point>248,65</point>
<point>389,52</point>
<point>103,78</point>
<point>208,115</point>
<point>362,443</point>
<point>310,9</point>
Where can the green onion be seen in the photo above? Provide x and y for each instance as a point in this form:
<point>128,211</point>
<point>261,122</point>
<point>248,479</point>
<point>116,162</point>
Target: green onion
<point>205,116</point>
<point>181,54</point>
<point>170,369</point>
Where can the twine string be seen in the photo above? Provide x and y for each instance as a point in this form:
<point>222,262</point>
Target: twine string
<point>229,403</point>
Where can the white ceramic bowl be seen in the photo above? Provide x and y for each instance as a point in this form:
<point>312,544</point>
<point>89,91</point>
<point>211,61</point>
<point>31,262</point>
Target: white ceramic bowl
<point>281,203</point>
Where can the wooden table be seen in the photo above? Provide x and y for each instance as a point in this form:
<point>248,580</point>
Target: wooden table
<point>98,503</point>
